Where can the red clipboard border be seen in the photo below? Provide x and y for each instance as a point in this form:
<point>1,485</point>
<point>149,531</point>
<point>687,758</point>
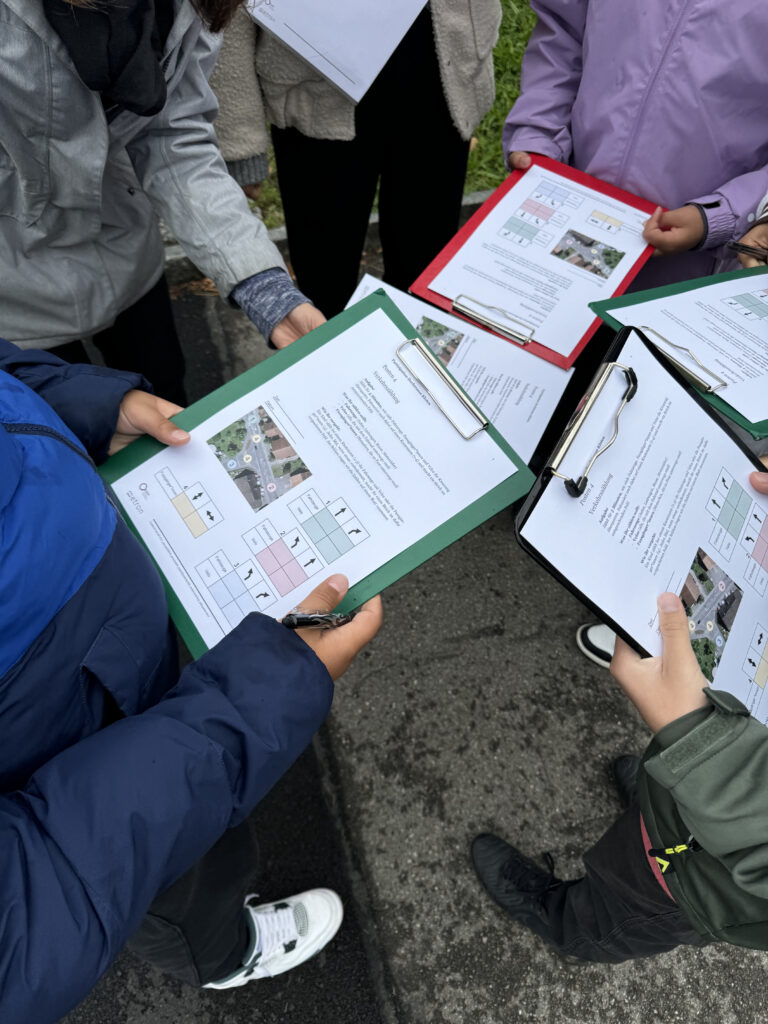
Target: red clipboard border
<point>421,286</point>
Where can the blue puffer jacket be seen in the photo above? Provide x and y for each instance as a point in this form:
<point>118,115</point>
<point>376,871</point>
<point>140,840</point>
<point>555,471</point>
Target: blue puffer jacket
<point>96,819</point>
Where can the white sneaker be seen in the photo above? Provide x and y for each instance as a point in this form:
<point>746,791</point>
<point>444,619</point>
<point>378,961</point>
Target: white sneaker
<point>597,642</point>
<point>285,934</point>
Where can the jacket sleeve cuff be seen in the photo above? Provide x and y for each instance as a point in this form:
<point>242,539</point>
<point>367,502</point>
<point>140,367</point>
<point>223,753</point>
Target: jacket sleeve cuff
<point>267,298</point>
<point>696,737</point>
<point>533,142</point>
<point>721,219</point>
<point>251,170</point>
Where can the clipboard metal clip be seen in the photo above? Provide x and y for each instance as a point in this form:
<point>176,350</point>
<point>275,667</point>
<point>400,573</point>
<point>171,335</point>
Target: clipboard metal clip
<point>521,337</point>
<point>436,366</point>
<point>685,370</point>
<point>576,487</point>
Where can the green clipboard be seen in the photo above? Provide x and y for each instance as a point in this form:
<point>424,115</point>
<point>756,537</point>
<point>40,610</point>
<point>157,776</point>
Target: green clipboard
<point>500,497</point>
<point>604,307</point>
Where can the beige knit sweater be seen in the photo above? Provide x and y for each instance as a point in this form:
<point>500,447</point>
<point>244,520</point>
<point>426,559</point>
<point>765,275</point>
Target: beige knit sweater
<point>297,96</point>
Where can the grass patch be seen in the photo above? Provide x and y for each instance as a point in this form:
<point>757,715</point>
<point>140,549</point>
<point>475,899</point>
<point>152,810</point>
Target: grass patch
<point>486,168</point>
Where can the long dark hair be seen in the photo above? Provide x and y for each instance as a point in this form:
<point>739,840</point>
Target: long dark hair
<point>216,14</point>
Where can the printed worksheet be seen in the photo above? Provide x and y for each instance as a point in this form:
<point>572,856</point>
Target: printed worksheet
<point>546,250</point>
<point>338,464</point>
<point>667,507</point>
<point>348,42</point>
<point>516,392</point>
<point>724,326</point>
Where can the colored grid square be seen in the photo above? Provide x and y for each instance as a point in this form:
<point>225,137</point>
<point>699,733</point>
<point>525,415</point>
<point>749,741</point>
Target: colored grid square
<point>246,604</point>
<point>726,515</point>
<point>744,503</point>
<point>761,676</point>
<point>219,593</point>
<point>314,530</point>
<point>759,550</point>
<point>325,519</point>
<point>764,531</point>
<point>327,549</point>
<point>281,552</point>
<point>267,561</point>
<point>234,585</point>
<point>195,525</point>
<point>183,505</point>
<point>233,614</point>
<point>295,573</point>
<point>281,582</point>
<point>341,541</point>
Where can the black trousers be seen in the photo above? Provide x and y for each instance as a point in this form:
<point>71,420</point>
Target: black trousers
<point>143,339</point>
<point>617,911</point>
<point>196,930</point>
<point>406,142</point>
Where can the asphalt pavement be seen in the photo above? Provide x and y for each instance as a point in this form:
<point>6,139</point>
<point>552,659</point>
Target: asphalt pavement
<point>472,710</point>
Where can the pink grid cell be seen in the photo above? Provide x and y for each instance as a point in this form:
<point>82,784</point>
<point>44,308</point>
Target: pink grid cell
<point>759,550</point>
<point>281,552</point>
<point>531,206</point>
<point>267,561</point>
<point>281,582</point>
<point>764,530</point>
<point>295,572</point>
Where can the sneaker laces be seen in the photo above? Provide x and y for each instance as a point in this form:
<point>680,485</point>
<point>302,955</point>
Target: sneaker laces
<point>530,879</point>
<point>277,929</point>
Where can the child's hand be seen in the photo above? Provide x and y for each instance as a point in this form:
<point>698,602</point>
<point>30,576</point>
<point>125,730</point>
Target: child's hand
<point>142,413</point>
<point>519,161</point>
<point>760,480</point>
<point>300,321</point>
<point>673,230</point>
<point>337,648</point>
<point>662,689</point>
<point>757,236</point>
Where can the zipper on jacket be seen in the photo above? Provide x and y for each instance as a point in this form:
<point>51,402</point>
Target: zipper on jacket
<point>37,429</point>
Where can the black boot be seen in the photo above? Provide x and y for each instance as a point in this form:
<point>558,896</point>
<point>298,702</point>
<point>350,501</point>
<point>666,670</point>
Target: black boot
<point>624,770</point>
<point>513,881</point>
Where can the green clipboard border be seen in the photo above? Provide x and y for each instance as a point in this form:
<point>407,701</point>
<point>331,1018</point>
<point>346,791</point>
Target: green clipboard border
<point>500,497</point>
<point>603,307</point>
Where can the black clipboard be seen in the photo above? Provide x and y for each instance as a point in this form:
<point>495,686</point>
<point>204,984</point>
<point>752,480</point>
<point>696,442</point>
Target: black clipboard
<point>549,476</point>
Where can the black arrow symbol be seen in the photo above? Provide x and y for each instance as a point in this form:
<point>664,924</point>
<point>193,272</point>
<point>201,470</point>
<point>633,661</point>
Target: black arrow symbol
<point>354,531</point>
<point>210,515</point>
<point>749,539</point>
<point>725,485</point>
<point>309,562</point>
<point>248,575</point>
<point>340,511</point>
<point>757,517</point>
<point>196,496</point>
<point>715,503</point>
<point>760,640</point>
<point>752,663</point>
<point>262,595</point>
<point>295,542</point>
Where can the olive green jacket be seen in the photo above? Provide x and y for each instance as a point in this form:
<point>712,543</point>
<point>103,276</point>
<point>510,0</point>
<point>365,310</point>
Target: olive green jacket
<point>704,783</point>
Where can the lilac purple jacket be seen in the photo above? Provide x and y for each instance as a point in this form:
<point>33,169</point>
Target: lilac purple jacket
<point>664,98</point>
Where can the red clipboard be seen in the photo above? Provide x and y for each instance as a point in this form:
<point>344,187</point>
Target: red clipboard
<point>421,286</point>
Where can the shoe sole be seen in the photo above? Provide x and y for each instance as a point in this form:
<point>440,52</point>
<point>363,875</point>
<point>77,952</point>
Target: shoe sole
<point>589,651</point>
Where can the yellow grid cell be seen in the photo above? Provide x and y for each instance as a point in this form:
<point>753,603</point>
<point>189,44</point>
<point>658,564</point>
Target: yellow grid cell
<point>183,505</point>
<point>195,524</point>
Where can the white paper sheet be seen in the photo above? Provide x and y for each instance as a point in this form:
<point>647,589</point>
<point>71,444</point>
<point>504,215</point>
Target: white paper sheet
<point>544,252</point>
<point>668,507</point>
<point>338,464</point>
<point>517,392</point>
<point>726,326</point>
<point>348,41</point>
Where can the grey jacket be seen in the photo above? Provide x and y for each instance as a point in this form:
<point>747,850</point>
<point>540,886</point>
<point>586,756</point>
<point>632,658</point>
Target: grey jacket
<point>79,198</point>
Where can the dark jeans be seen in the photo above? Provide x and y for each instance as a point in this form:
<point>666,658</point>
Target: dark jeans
<point>617,911</point>
<point>143,339</point>
<point>196,930</point>
<point>405,139</point>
